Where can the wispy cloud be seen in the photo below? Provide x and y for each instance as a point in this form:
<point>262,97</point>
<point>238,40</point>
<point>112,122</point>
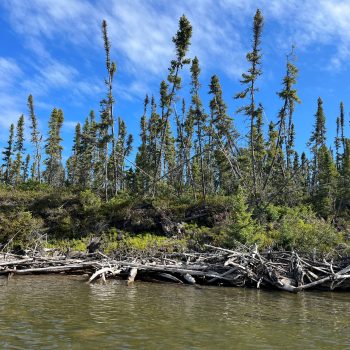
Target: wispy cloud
<point>141,32</point>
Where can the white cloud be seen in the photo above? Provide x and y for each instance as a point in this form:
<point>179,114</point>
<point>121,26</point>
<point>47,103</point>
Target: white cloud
<point>141,32</point>
<point>9,72</point>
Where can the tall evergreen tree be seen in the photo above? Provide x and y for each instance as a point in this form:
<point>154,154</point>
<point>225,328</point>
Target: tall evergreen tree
<point>108,104</point>
<point>317,140</point>
<point>36,139</point>
<point>182,43</point>
<point>8,153</point>
<point>199,121</point>
<point>249,79</point>
<point>19,148</point>
<point>26,168</point>
<point>223,137</point>
<point>54,172</point>
<point>324,197</point>
<point>74,163</point>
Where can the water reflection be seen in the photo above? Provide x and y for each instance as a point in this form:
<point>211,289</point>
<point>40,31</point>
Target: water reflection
<point>56,312</point>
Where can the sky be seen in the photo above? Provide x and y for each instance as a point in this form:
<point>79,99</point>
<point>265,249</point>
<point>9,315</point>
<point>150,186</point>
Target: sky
<point>53,49</point>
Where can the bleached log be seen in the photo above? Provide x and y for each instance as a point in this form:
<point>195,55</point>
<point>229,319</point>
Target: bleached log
<point>103,271</point>
<point>132,275</point>
<point>188,278</point>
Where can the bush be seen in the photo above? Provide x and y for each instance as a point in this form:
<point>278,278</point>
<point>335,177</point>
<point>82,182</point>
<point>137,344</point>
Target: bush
<point>300,229</point>
<point>144,243</point>
<point>241,227</point>
<point>19,228</point>
<point>89,201</point>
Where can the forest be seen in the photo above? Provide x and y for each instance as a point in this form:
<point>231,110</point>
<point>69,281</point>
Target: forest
<point>194,179</point>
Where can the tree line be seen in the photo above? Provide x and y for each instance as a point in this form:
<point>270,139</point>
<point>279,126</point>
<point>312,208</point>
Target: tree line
<point>190,149</point>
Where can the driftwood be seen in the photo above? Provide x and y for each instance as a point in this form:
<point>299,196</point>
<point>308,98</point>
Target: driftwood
<point>216,266</point>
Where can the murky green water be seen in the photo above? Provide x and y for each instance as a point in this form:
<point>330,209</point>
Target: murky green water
<point>57,312</point>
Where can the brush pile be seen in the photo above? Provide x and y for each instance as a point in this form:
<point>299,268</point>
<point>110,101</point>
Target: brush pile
<point>216,266</point>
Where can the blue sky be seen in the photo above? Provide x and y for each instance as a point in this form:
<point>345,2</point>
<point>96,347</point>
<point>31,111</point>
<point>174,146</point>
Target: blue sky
<point>53,50</point>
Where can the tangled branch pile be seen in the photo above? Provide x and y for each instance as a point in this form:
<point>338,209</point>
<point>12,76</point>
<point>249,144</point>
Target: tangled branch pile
<point>217,266</point>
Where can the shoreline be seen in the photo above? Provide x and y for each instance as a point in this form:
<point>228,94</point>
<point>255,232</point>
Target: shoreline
<point>279,270</point>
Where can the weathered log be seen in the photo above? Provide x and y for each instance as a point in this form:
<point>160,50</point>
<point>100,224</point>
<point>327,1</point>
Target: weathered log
<point>282,270</point>
<point>188,278</point>
<point>169,277</point>
<point>113,271</point>
<point>132,275</point>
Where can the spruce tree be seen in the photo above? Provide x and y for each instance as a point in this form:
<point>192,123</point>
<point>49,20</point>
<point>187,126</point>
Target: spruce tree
<point>108,104</point>
<point>249,79</point>
<point>8,153</point>
<point>324,197</point>
<point>317,140</point>
<point>74,163</point>
<point>19,148</point>
<point>36,140</point>
<point>54,172</point>
<point>26,168</point>
<point>344,181</point>
<point>199,121</point>
<point>223,137</point>
<point>286,133</point>
<point>142,177</point>
<point>182,43</point>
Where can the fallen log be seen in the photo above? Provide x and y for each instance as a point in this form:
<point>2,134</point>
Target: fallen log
<point>277,270</point>
<point>132,275</point>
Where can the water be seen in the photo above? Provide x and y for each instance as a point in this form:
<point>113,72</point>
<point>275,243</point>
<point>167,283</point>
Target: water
<point>58,312</point>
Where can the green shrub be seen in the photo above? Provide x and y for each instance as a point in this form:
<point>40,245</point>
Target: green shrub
<point>300,229</point>
<point>89,201</point>
<point>143,243</point>
<point>19,228</point>
<point>241,227</point>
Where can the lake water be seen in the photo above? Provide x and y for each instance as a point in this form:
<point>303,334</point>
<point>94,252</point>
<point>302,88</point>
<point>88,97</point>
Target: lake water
<point>59,312</point>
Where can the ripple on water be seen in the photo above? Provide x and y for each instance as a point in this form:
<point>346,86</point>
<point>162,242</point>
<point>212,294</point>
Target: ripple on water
<point>59,312</point>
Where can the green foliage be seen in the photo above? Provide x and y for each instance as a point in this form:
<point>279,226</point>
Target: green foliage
<point>192,169</point>
<point>300,229</point>
<point>75,244</point>
<point>19,228</point>
<point>143,243</point>
<point>241,226</point>
<point>90,201</point>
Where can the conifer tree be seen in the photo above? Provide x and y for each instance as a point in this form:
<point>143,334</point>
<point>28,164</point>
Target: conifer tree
<point>324,197</point>
<point>36,140</point>
<point>187,130</point>
<point>26,168</point>
<point>305,174</point>
<point>143,168</point>
<point>74,163</point>
<point>223,136</point>
<point>337,145</point>
<point>123,149</point>
<point>8,153</point>
<point>54,172</point>
<point>108,104</point>
<point>199,121</point>
<point>286,132</point>
<point>344,181</point>
<point>317,140</point>
<point>90,149</point>
<point>182,43</point>
<point>19,148</point>
<point>249,79</point>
